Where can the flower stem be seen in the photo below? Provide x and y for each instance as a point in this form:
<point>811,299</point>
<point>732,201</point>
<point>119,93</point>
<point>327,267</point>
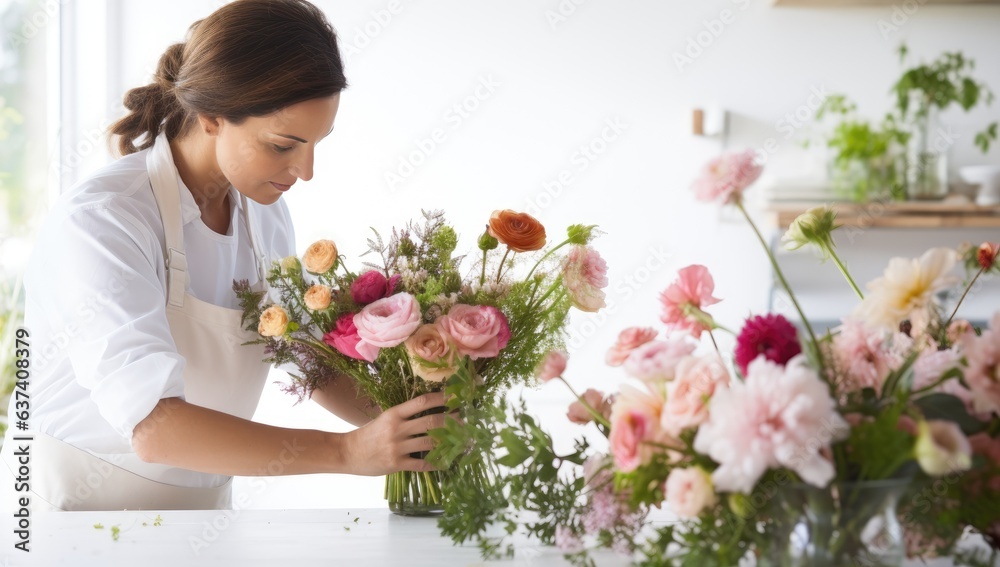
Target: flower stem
<point>482,278</point>
<point>547,254</point>
<point>964,293</point>
<point>500,269</point>
<point>843,270</point>
<point>597,415</point>
<point>777,272</point>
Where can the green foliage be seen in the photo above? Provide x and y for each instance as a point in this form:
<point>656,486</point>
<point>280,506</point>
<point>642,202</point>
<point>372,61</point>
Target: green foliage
<point>939,84</point>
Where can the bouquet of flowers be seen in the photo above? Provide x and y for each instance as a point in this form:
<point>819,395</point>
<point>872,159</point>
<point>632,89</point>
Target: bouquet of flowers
<point>410,321</point>
<point>875,440</point>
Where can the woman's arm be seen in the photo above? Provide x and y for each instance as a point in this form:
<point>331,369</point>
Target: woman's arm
<point>342,398</point>
<point>184,435</point>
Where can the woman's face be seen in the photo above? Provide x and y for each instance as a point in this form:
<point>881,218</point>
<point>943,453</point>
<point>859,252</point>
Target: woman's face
<point>265,155</point>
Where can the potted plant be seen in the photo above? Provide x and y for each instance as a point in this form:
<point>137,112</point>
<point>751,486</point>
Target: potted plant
<point>867,160</point>
<point>922,92</point>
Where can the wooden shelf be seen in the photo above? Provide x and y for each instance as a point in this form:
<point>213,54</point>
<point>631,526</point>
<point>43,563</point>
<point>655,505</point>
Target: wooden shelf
<point>904,214</point>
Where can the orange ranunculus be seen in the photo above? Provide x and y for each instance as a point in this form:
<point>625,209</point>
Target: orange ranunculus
<point>521,232</point>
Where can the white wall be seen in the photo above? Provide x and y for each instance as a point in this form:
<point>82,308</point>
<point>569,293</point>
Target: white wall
<point>559,83</point>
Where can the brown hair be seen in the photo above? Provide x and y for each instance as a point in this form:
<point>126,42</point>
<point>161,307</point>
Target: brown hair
<point>248,58</point>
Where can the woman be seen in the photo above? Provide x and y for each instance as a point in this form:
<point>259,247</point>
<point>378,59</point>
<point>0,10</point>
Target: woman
<point>141,392</point>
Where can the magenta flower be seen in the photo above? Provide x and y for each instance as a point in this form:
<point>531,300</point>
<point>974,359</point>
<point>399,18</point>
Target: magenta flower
<point>683,301</point>
<point>727,176</point>
<point>585,275</point>
<point>769,335</point>
<point>372,286</point>
<point>344,337</point>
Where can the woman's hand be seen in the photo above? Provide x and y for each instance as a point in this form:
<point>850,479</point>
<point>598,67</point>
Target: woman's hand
<point>384,445</point>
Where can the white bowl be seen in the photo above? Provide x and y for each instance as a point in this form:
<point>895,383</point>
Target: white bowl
<point>988,179</point>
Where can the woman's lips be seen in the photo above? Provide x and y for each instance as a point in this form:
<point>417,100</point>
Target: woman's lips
<point>281,187</point>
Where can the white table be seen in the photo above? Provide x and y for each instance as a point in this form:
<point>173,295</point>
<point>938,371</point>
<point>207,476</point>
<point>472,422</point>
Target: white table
<point>259,537</point>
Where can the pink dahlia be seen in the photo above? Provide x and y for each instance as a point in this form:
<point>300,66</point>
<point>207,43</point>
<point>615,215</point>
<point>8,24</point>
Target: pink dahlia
<point>628,340</point>
<point>725,177</point>
<point>769,335</point>
<point>777,418</point>
<point>585,275</point>
<point>683,301</point>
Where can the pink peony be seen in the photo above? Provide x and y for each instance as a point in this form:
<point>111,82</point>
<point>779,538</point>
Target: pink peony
<point>726,177</point>
<point>778,417</point>
<point>688,395</point>
<point>344,337</point>
<point>769,335</point>
<point>628,340</point>
<point>552,366</point>
<point>861,357</point>
<point>479,331</point>
<point>585,275</point>
<point>983,373</point>
<point>372,286</point>
<point>656,361</point>
<point>386,323</point>
<point>578,413</point>
<point>689,491</point>
<point>684,300</point>
<point>635,421</point>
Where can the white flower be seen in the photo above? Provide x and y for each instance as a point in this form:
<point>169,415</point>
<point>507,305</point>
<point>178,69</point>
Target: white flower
<point>905,290</point>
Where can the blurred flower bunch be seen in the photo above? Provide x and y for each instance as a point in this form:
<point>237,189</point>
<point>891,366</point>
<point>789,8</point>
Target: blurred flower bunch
<point>902,394</point>
<point>404,324</point>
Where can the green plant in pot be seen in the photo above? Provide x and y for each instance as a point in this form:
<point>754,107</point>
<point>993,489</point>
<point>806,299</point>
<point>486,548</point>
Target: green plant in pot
<point>866,162</point>
<point>922,92</point>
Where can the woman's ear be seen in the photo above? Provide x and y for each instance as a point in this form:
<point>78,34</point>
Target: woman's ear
<point>209,124</point>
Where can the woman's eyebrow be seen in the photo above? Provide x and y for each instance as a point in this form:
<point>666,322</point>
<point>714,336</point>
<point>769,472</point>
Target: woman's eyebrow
<point>290,137</point>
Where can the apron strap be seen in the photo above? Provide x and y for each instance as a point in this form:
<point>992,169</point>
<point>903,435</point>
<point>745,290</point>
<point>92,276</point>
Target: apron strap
<point>163,178</point>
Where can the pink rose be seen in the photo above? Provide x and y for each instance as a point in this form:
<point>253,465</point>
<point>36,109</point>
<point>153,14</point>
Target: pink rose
<point>479,331</point>
<point>431,352</point>
<point>689,491</point>
<point>552,366</point>
<point>635,420</point>
<point>656,361</point>
<point>344,337</point>
<point>628,340</point>
<point>688,395</point>
<point>685,299</point>
<point>372,286</point>
<point>386,323</point>
<point>578,413</point>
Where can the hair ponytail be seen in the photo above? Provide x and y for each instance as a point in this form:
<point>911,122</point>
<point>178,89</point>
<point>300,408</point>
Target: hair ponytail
<point>152,107</point>
<point>248,58</point>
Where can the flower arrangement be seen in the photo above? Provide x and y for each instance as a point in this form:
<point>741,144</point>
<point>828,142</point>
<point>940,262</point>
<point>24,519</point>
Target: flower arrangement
<point>407,323</point>
<point>877,439</point>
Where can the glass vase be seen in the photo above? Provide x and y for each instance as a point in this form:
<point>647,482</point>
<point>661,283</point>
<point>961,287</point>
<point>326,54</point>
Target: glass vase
<point>414,493</point>
<point>927,157</point>
<point>874,179</point>
<point>843,524</point>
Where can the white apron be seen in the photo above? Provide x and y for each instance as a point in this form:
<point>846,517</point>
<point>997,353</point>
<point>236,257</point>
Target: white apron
<point>219,373</point>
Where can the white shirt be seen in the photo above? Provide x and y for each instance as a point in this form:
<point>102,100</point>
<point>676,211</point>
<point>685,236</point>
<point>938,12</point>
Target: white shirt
<point>102,353</point>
